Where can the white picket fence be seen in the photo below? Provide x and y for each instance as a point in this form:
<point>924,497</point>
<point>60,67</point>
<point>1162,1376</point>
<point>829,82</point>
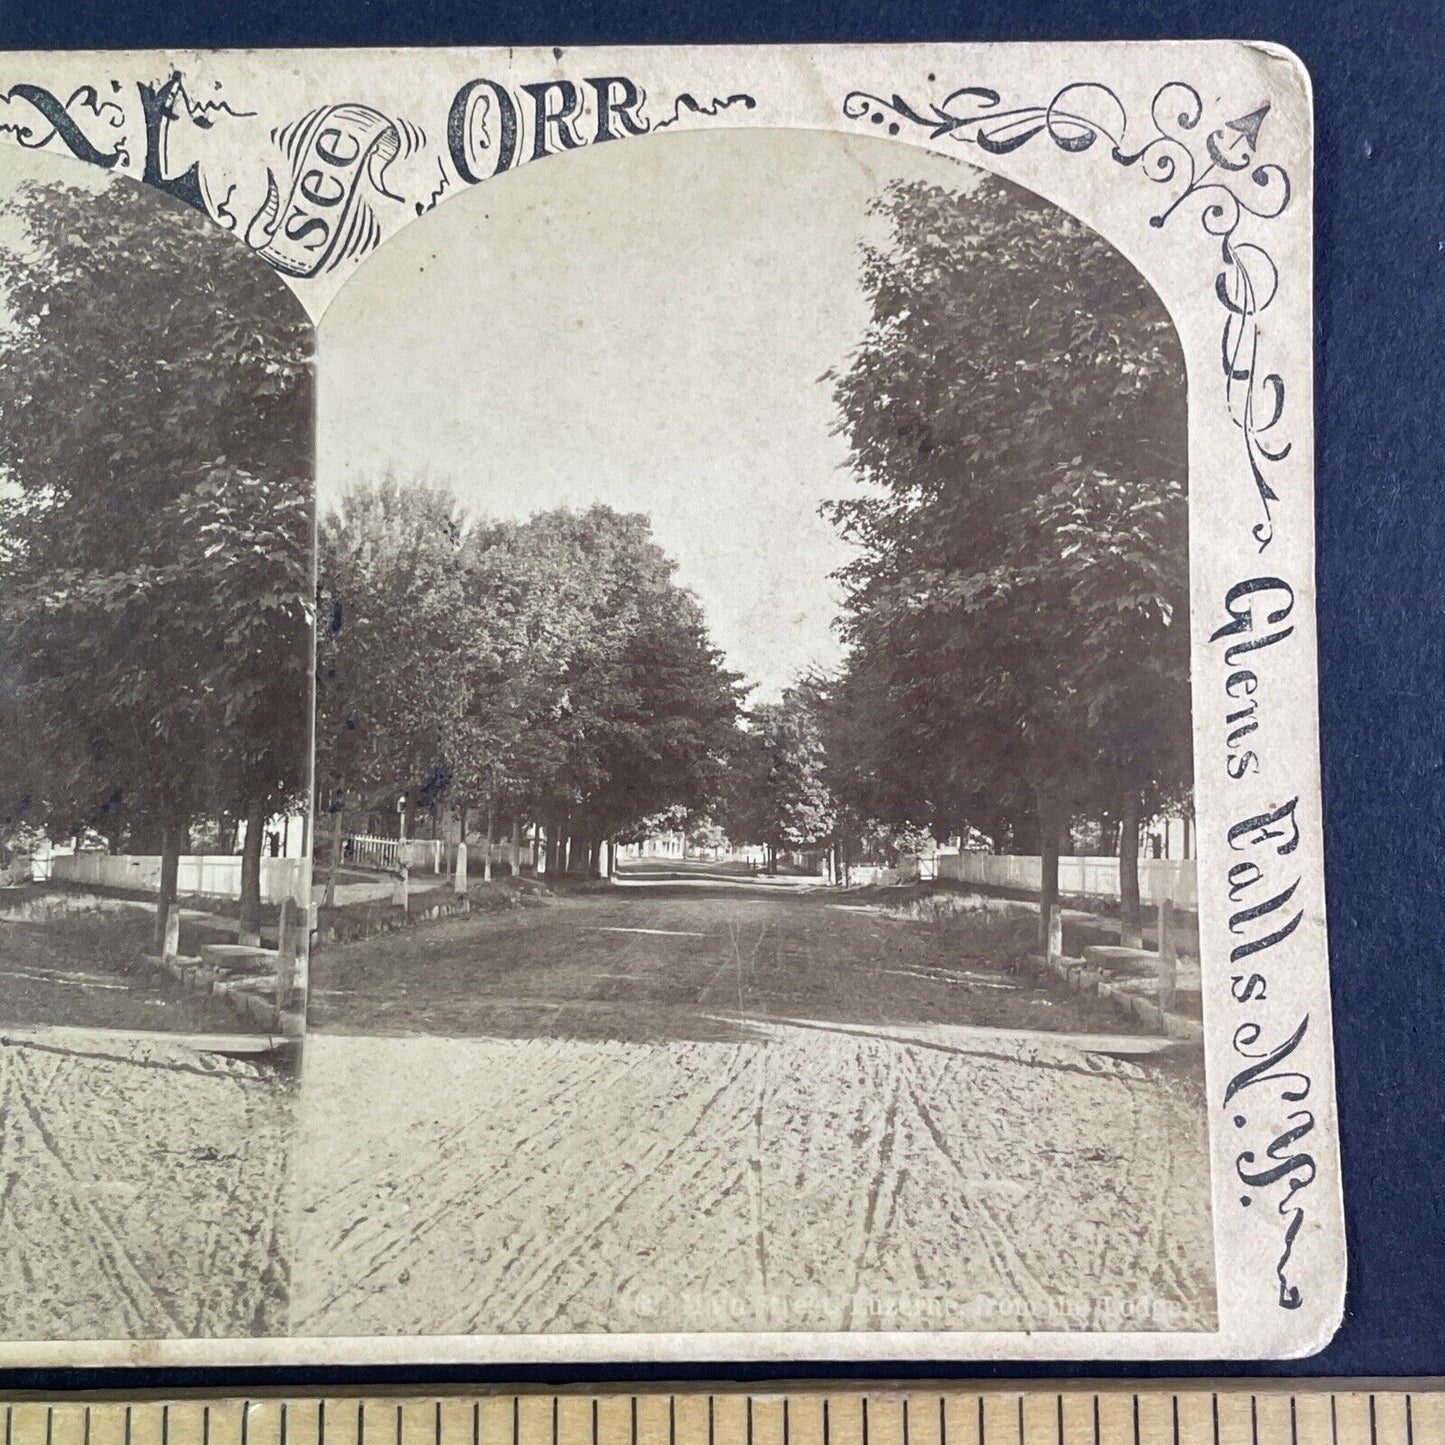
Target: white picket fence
<point>216,875</point>
<point>1159,878</point>
<point>364,850</point>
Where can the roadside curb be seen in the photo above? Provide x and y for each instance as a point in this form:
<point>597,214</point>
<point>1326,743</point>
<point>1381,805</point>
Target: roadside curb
<point>251,995</point>
<point>1079,976</point>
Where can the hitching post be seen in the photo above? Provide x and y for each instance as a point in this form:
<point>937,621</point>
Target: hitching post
<point>1056,933</point>
<point>400,890</point>
<point>172,945</point>
<point>285,955</point>
<point>1168,960</point>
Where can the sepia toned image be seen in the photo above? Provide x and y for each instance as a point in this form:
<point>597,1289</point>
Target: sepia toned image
<point>692,749</point>
<point>155,641</point>
<point>661,705</point>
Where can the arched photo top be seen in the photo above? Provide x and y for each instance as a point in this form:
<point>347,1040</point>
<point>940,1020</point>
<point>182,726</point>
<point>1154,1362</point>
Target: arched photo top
<point>688,324</point>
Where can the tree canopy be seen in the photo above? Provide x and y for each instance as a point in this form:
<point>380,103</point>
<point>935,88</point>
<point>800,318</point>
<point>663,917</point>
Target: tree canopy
<point>155,593</point>
<point>552,666</point>
<point>1017,613</point>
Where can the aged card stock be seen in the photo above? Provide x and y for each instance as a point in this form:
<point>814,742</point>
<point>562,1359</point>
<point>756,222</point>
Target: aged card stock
<point>661,703</point>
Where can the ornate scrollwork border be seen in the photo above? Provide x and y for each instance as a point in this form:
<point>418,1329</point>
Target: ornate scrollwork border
<point>1217,167</point>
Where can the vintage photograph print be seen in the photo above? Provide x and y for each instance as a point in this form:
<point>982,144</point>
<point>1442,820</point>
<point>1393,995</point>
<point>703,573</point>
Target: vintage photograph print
<point>760,602</point>
<point>663,707</point>
<point>156,392</point>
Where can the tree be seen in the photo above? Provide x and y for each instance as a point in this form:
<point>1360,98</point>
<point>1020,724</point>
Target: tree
<point>155,382</point>
<point>550,667</point>
<point>643,707</point>
<point>1017,376</point>
<point>788,775</point>
<point>392,682</point>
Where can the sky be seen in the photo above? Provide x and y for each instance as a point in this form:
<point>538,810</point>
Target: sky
<point>645,324</point>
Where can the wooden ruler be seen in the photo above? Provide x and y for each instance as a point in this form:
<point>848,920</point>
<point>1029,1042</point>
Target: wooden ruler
<point>1242,1413</point>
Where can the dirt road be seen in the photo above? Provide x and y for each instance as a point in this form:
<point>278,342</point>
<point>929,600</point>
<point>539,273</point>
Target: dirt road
<point>697,960</point>
<point>732,1108</point>
<point>141,1191</point>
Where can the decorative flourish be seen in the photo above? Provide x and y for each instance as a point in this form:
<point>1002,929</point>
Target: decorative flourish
<point>1217,167</point>
<point>442,186</point>
<point>716,107</point>
<point>36,117</point>
<point>203,112</point>
<point>221,208</point>
<point>323,213</point>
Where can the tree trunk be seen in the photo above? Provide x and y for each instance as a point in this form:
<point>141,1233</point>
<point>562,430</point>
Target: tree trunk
<point>594,859</point>
<point>516,859</point>
<point>337,829</point>
<point>171,835</point>
<point>1130,934</point>
<point>487,843</point>
<point>1049,829</point>
<point>250,930</point>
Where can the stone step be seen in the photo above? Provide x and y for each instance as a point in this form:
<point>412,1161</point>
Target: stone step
<point>1123,962</point>
<point>232,958</point>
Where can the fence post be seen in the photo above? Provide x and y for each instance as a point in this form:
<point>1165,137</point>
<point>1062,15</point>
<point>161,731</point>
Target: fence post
<point>459,878</point>
<point>1056,933</point>
<point>1168,958</point>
